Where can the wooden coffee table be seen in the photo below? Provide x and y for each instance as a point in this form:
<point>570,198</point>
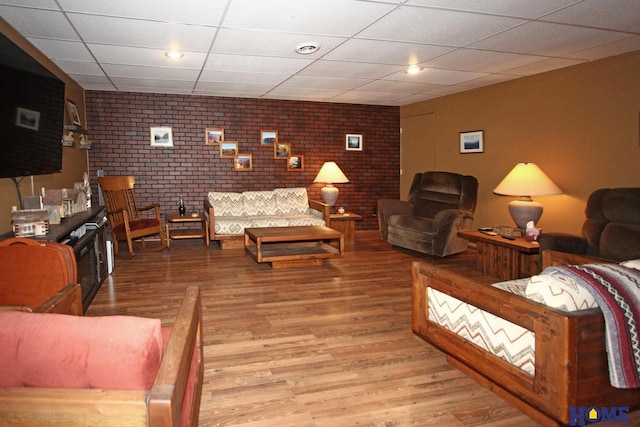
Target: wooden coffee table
<point>293,246</point>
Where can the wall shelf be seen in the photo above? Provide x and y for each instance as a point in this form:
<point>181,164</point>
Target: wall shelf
<point>75,128</point>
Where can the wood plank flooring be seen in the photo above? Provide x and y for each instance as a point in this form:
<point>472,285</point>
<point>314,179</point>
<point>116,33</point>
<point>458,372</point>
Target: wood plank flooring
<point>327,346</point>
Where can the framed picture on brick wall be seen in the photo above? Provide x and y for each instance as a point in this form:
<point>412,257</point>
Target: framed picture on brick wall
<point>268,137</point>
<point>228,149</point>
<point>281,150</point>
<point>161,137</point>
<point>214,136</point>
<point>353,142</point>
<point>243,162</point>
<point>295,163</point>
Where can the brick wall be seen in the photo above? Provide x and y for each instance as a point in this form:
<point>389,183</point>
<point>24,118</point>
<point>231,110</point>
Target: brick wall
<point>119,123</point>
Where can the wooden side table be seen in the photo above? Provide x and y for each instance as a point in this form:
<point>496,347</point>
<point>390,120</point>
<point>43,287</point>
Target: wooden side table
<point>503,258</point>
<point>346,224</point>
<point>190,233</point>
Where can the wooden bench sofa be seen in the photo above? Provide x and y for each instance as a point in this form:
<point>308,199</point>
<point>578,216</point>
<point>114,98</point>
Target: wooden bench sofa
<point>571,368</point>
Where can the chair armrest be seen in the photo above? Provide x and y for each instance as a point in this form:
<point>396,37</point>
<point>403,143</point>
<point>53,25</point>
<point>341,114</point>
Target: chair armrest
<point>446,217</point>
<point>388,207</point>
<point>563,243</point>
<point>322,207</point>
<point>170,386</point>
<point>66,301</point>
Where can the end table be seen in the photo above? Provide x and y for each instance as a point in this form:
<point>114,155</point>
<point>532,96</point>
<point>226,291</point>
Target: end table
<point>504,258</point>
<point>346,224</point>
<point>191,233</point>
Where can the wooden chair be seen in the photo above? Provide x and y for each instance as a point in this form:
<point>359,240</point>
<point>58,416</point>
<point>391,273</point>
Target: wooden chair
<point>126,217</point>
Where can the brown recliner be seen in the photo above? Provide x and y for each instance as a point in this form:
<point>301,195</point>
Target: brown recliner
<point>611,230</point>
<point>439,205</point>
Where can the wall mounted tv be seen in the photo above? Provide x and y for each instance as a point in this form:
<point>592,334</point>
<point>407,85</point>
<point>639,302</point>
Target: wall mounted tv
<point>31,115</point>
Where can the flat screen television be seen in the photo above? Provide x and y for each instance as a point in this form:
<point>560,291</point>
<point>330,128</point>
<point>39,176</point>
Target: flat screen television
<point>31,115</point>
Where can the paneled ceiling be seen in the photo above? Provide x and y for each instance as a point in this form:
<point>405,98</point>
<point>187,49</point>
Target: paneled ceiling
<point>246,48</point>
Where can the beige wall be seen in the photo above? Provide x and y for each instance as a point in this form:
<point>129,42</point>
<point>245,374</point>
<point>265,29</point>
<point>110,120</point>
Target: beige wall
<point>74,160</point>
<point>579,124</point>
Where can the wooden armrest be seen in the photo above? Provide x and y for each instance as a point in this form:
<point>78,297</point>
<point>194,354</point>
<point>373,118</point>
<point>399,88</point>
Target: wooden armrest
<point>551,258</point>
<point>66,301</point>
<point>168,391</point>
<point>209,212</point>
<point>322,207</point>
<point>148,207</point>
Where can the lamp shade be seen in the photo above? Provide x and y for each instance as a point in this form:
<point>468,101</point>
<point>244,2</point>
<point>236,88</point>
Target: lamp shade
<point>330,173</point>
<point>526,179</point>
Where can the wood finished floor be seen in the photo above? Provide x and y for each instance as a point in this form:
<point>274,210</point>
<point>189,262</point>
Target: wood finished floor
<point>327,346</point>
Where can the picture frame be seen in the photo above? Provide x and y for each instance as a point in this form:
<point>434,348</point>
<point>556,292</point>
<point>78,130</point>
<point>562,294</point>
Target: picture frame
<point>214,136</point>
<point>353,142</point>
<point>28,119</point>
<point>228,149</point>
<point>74,116</point>
<point>268,137</point>
<point>295,163</point>
<point>281,150</point>
<point>161,137</point>
<point>243,162</point>
<point>472,142</point>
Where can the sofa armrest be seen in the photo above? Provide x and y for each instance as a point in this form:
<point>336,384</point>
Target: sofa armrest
<point>183,355</point>
<point>66,301</point>
<point>551,258</point>
<point>446,217</point>
<point>209,213</point>
<point>322,207</point>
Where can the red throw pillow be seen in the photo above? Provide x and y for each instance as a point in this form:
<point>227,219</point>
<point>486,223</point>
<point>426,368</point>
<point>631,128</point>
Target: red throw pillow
<point>54,350</point>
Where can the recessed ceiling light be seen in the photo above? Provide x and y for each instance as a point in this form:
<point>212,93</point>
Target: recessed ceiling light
<point>307,48</point>
<point>174,54</point>
<point>413,69</point>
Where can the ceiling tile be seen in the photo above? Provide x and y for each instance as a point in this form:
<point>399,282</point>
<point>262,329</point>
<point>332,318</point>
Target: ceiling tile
<point>247,63</point>
<point>125,55</point>
<point>438,27</point>
<point>269,43</point>
<point>198,12</point>
<point>481,60</point>
<point>324,17</point>
<point>436,76</point>
<point>38,23</point>
<point>621,15</point>
<point>350,69</point>
<point>544,66</point>
<point>62,49</point>
<point>385,52</point>
<point>149,34</point>
<point>516,8</point>
<point>541,38</point>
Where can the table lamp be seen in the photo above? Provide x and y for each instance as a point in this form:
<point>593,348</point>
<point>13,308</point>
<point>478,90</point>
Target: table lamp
<point>330,174</point>
<point>526,180</point>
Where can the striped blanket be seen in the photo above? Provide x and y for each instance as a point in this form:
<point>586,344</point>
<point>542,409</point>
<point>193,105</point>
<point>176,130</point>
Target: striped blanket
<point>616,289</point>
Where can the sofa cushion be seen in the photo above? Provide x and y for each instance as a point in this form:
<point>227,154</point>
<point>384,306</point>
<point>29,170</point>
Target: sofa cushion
<point>259,203</point>
<point>291,201</point>
<point>632,263</point>
<point>232,224</point>
<point>559,291</point>
<point>226,204</point>
<point>62,351</point>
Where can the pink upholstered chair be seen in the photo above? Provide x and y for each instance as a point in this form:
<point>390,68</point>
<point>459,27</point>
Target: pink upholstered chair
<point>101,371</point>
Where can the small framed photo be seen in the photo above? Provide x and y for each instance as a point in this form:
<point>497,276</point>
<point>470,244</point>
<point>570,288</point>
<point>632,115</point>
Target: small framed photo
<point>243,162</point>
<point>268,137</point>
<point>295,163</point>
<point>73,113</point>
<point>281,150</point>
<point>228,149</point>
<point>161,137</point>
<point>214,136</point>
<point>27,119</point>
<point>354,142</point>
<point>471,142</point>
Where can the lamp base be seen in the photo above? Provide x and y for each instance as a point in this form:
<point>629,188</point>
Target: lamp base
<point>329,194</point>
<point>524,210</point>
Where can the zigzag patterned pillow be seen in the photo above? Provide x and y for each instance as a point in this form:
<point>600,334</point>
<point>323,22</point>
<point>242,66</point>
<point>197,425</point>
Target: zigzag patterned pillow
<point>226,204</point>
<point>559,291</point>
<point>259,203</point>
<point>292,201</point>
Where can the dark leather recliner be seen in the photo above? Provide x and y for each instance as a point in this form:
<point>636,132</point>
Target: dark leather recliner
<point>611,230</point>
<point>439,205</point>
